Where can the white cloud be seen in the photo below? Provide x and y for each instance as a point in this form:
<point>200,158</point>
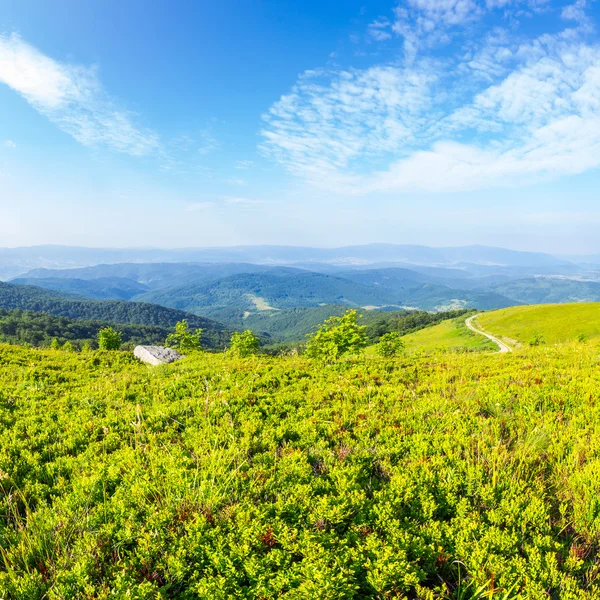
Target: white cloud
<point>72,97</point>
<point>380,30</point>
<point>575,12</point>
<point>9,144</point>
<point>244,164</point>
<point>236,181</point>
<point>425,24</point>
<point>448,12</point>
<point>330,119</point>
<point>506,114</point>
<point>207,142</point>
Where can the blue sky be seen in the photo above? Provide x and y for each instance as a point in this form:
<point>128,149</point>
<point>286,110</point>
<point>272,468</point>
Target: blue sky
<point>442,122</point>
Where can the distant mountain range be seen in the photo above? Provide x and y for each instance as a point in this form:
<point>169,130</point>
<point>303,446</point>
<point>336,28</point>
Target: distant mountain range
<point>208,289</point>
<point>259,286</point>
<point>17,261</point>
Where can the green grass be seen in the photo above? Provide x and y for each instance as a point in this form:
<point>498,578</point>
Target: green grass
<point>557,323</point>
<point>448,335</point>
<point>443,476</point>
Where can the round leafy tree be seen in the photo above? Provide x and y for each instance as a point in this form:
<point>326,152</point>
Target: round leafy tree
<point>109,339</point>
<point>183,339</point>
<point>390,344</point>
<point>244,343</point>
<point>337,336</point>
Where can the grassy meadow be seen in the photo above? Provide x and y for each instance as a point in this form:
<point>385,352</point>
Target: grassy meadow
<point>436,476</point>
<point>554,323</point>
<point>450,335</point>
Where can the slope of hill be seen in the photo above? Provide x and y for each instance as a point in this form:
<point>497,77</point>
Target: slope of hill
<point>427,292</point>
<point>103,288</point>
<point>554,323</point>
<point>151,275</point>
<point>451,334</point>
<point>549,290</point>
<point>280,288</point>
<point>25,297</point>
<point>291,288</point>
<point>287,325</point>
<point>294,324</point>
<point>447,476</point>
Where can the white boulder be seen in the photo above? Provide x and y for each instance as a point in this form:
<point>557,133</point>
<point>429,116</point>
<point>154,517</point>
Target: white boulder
<point>156,355</point>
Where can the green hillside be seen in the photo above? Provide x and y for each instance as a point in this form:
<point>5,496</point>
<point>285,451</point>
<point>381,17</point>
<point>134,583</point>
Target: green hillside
<point>294,324</point>
<point>451,334</point>
<point>152,275</point>
<point>40,329</point>
<point>104,288</point>
<point>31,298</point>
<point>442,477</point>
<point>554,323</point>
<point>549,290</point>
<point>428,292</point>
<point>282,288</point>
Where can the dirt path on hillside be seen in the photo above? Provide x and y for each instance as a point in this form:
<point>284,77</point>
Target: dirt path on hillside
<point>503,348</point>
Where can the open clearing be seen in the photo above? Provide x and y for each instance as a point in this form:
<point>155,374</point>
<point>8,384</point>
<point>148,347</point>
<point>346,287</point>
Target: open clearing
<point>260,303</point>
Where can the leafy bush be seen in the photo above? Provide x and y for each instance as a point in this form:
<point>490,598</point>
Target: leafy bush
<point>184,340</point>
<point>337,336</point>
<point>390,344</point>
<point>537,339</point>
<point>244,343</point>
<point>109,339</point>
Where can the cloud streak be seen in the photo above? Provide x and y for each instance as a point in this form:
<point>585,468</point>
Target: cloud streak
<point>499,112</point>
<point>73,98</point>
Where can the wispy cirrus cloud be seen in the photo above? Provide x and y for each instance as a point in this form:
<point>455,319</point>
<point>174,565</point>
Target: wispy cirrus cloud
<point>425,24</point>
<point>502,110</point>
<point>72,97</point>
<point>244,164</point>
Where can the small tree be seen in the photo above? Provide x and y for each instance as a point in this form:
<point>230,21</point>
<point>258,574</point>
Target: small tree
<point>68,347</point>
<point>244,343</point>
<point>537,339</point>
<point>109,339</point>
<point>55,344</point>
<point>390,344</point>
<point>183,339</point>
<point>337,336</point>
<point>87,347</point>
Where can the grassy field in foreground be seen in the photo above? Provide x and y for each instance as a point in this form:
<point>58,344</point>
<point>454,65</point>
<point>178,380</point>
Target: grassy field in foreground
<point>556,323</point>
<point>448,335</point>
<point>463,476</point>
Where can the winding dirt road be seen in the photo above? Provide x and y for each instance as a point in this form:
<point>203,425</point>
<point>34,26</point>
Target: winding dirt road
<point>503,348</point>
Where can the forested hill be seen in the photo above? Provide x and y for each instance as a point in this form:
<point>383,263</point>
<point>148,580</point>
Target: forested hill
<point>103,288</point>
<point>31,298</point>
<point>40,329</point>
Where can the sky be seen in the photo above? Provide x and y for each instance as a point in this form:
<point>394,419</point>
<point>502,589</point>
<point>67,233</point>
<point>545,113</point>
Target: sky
<point>182,123</point>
